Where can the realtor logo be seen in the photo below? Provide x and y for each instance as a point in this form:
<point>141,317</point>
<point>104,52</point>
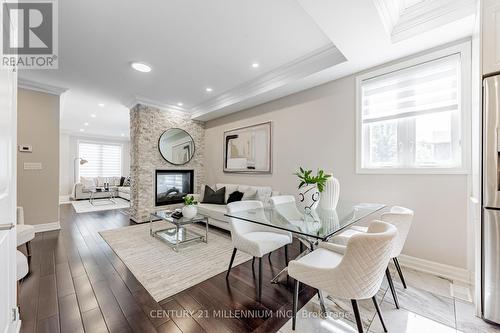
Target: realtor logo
<point>29,34</point>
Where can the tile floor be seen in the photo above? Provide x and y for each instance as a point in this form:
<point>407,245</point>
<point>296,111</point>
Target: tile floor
<point>430,304</point>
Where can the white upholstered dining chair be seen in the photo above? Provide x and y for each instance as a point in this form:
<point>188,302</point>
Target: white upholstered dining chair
<point>352,272</point>
<point>401,218</point>
<point>24,232</point>
<point>252,238</point>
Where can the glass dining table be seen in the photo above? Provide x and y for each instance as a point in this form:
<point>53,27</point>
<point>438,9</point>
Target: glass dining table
<point>309,228</point>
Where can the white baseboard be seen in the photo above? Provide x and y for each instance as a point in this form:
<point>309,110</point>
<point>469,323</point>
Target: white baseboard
<point>47,227</point>
<point>64,199</point>
<point>453,273</point>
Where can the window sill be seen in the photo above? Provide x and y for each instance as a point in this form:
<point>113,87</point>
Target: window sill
<point>412,171</point>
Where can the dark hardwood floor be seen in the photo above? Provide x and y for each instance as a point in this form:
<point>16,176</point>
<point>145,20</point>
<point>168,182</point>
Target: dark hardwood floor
<point>78,284</point>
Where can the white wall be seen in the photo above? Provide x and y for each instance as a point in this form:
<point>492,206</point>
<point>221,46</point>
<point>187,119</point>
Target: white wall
<point>69,151</point>
<point>316,129</point>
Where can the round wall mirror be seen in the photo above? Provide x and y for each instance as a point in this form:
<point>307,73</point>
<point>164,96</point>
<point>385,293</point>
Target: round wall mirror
<point>176,146</point>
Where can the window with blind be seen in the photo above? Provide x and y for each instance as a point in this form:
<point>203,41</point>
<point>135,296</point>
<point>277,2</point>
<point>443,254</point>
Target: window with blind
<point>103,160</point>
<point>411,117</point>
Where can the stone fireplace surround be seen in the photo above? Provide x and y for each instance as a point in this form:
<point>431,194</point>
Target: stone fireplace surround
<point>146,125</point>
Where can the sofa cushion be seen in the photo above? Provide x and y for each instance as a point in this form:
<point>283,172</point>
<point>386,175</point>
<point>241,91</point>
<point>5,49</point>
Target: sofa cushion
<point>230,188</point>
<point>249,192</point>
<point>235,196</point>
<point>213,211</point>
<point>214,197</point>
<point>88,182</point>
<point>124,189</point>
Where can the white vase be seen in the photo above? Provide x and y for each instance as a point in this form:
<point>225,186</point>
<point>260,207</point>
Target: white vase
<point>189,211</point>
<point>308,197</point>
<point>330,194</point>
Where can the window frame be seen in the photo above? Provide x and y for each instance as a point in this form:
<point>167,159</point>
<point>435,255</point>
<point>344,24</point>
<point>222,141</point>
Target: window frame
<point>464,50</point>
<point>98,143</point>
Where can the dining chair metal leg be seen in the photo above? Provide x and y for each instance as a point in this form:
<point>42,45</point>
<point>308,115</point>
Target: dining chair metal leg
<point>269,257</point>
<point>260,279</point>
<point>253,261</point>
<point>28,254</point>
<point>301,247</point>
<point>400,272</point>
<point>295,302</point>
<point>391,285</point>
<point>286,255</point>
<point>356,315</point>
<point>377,307</point>
<point>231,263</point>
<point>321,303</point>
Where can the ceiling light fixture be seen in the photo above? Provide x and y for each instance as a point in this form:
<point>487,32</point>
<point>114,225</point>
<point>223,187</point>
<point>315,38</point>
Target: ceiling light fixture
<point>209,89</point>
<point>180,104</point>
<point>93,115</point>
<point>86,124</point>
<point>255,65</point>
<point>101,105</point>
<point>141,67</point>
<point>123,134</point>
<point>82,130</point>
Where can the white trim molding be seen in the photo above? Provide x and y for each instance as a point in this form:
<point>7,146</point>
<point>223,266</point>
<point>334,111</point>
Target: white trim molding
<point>155,104</point>
<point>456,274</point>
<point>253,90</point>
<point>40,87</point>
<point>64,199</point>
<point>402,23</point>
<point>47,227</point>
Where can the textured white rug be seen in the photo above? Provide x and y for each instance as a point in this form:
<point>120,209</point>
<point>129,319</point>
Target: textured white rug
<point>161,270</point>
<point>84,206</point>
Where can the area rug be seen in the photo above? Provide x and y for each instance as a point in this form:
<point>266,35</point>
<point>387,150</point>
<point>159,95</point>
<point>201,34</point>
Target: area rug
<point>161,270</point>
<point>84,206</point>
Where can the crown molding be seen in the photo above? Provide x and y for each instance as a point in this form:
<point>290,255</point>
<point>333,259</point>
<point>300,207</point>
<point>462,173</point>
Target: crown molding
<point>90,136</point>
<point>314,62</point>
<point>149,102</point>
<point>403,23</point>
<point>40,87</point>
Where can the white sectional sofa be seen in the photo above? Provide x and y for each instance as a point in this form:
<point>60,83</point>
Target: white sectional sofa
<point>215,213</point>
<point>88,182</point>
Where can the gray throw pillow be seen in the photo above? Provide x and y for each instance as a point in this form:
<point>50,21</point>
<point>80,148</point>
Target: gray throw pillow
<point>214,197</point>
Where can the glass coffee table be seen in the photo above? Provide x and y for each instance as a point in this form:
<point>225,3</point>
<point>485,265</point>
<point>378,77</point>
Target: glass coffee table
<point>108,200</point>
<point>177,234</point>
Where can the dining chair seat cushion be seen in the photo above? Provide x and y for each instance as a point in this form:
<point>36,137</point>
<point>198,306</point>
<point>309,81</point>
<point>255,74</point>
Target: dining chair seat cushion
<point>25,233</point>
<point>21,265</point>
<point>320,259</point>
<point>259,243</point>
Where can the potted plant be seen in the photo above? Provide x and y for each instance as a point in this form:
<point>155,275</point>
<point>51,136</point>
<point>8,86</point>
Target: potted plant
<point>189,210</point>
<point>310,187</point>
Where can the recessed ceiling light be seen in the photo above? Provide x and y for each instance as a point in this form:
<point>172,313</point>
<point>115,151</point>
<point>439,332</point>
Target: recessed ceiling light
<point>123,134</point>
<point>209,89</point>
<point>82,130</point>
<point>93,115</point>
<point>141,67</point>
<point>101,105</point>
<point>180,104</point>
<point>255,65</point>
<point>86,124</point>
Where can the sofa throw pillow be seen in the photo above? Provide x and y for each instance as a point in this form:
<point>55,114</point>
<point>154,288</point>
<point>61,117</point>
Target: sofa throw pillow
<point>88,182</point>
<point>126,182</point>
<point>235,196</point>
<point>122,180</point>
<point>214,197</point>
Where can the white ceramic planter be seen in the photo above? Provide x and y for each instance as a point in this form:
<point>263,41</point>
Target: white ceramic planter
<point>308,197</point>
<point>189,211</point>
<point>330,195</point>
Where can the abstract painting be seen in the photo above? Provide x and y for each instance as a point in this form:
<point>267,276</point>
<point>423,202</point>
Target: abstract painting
<point>248,149</point>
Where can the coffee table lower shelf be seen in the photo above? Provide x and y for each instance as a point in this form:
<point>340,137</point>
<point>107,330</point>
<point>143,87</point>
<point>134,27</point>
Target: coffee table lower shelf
<point>175,236</point>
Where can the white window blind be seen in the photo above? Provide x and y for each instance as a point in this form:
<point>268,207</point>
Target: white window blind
<point>104,160</point>
<point>410,118</point>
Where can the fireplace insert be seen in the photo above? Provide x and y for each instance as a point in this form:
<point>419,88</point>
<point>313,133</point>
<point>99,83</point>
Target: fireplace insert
<point>172,186</point>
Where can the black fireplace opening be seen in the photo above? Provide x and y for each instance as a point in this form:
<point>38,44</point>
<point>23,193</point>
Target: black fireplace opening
<point>172,186</point>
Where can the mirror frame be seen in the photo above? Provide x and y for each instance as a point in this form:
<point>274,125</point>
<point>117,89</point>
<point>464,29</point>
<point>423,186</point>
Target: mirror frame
<point>159,146</point>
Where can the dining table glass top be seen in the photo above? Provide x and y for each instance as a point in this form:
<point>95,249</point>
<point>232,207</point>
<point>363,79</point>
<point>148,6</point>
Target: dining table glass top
<point>319,223</point>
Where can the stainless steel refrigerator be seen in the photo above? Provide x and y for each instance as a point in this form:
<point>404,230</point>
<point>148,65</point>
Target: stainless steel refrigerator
<point>490,254</point>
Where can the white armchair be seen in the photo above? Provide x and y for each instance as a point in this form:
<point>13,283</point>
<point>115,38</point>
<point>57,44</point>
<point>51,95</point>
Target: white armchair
<point>254,239</point>
<point>25,233</point>
<point>354,272</point>
<point>399,217</point>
